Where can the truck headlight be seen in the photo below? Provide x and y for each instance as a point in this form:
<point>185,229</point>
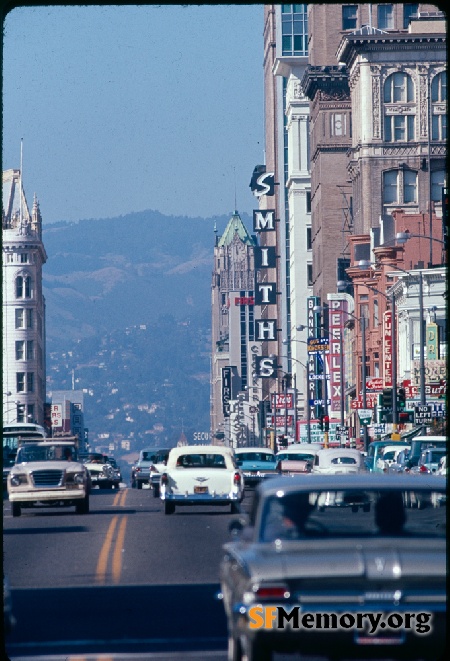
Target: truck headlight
<point>18,479</point>
<point>79,478</point>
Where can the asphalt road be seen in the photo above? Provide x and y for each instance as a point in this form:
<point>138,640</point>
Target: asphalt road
<point>123,578</point>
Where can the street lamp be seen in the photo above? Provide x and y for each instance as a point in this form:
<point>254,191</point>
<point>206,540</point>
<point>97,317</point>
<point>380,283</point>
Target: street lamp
<point>308,410</point>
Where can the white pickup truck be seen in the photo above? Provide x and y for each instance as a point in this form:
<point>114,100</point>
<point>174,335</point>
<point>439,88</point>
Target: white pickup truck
<point>201,475</point>
<point>48,474</point>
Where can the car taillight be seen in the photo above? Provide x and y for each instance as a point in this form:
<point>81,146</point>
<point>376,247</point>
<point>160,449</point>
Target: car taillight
<point>423,469</point>
<point>137,469</point>
<point>237,479</point>
<point>272,592</point>
<point>164,479</point>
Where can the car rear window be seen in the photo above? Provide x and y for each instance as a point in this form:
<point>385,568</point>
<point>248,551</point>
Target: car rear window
<point>201,461</point>
<point>255,456</point>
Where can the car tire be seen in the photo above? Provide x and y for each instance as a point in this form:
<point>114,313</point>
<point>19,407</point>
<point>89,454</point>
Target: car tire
<point>156,491</point>
<point>139,485</point>
<point>83,506</point>
<point>16,509</point>
<point>235,509</point>
<point>169,508</point>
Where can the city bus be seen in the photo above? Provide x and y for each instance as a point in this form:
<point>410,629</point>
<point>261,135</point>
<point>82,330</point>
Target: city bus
<point>14,434</point>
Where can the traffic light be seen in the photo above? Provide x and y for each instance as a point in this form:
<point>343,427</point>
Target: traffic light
<point>386,399</point>
<point>321,421</point>
<point>401,398</point>
<point>326,423</point>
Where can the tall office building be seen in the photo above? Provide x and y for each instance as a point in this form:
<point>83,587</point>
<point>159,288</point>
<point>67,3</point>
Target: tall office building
<point>23,305</point>
<point>233,327</point>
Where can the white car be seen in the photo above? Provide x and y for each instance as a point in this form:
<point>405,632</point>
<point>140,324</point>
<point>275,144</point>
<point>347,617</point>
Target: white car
<point>296,458</point>
<point>388,456</point>
<point>201,475</point>
<point>335,461</point>
<point>48,474</point>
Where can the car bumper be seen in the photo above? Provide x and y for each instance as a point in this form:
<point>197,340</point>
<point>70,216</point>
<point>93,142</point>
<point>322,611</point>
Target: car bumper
<point>201,499</point>
<point>251,479</point>
<point>47,495</point>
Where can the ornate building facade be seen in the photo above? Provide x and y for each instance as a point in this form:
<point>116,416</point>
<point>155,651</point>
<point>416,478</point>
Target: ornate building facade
<point>23,334</point>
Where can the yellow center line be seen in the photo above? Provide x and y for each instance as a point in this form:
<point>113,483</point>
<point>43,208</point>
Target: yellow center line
<point>117,557</point>
<point>116,498</point>
<point>103,558</point>
<point>123,497</point>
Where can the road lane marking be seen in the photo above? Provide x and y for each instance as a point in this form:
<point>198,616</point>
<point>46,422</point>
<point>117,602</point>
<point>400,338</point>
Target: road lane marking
<point>119,498</point>
<point>118,549</point>
<point>104,553</point>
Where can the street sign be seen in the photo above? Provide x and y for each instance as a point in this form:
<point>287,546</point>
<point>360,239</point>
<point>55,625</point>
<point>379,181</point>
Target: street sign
<point>365,416</point>
<point>423,414</point>
<point>318,402</point>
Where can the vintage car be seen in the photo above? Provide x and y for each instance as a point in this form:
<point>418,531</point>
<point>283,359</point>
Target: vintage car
<point>201,475</point>
<point>298,579</point>
<point>297,458</point>
<point>256,464</point>
<point>101,472</point>
<point>48,474</point>
<point>429,460</point>
<point>375,450</point>
<point>147,469</point>
<point>388,455</point>
<point>421,443</point>
<point>331,461</point>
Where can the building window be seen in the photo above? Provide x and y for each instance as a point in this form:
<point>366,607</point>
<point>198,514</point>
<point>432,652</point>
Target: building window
<point>9,258</point>
<point>20,381</point>
<point>24,258</point>
<point>24,317</point>
<point>409,11</point>
<point>30,412</point>
<point>30,381</point>
<point>437,184</point>
<point>20,413</point>
<point>385,17</point>
<point>30,350</point>
<point>309,270</point>
<point>439,113</point>
<point>20,350</point>
<point>308,201</point>
<point>308,239</point>
<point>23,286</point>
<point>349,17</point>
<point>294,28</point>
<point>376,314</point>
<point>338,124</point>
<point>398,88</point>
<point>399,187</point>
<point>399,128</point>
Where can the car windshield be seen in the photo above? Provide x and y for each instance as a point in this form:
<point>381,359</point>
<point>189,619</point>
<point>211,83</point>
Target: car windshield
<point>46,453</point>
<point>353,513</point>
<point>297,456</point>
<point>433,457</point>
<point>201,461</point>
<point>254,456</point>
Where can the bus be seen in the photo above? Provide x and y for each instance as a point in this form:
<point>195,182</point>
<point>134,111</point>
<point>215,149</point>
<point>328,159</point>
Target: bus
<point>16,433</point>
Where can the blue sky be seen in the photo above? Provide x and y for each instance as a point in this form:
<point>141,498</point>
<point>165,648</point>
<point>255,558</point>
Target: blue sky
<point>127,108</point>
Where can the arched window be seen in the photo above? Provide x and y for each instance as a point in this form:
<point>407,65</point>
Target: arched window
<point>399,88</point>
<point>438,109</point>
<point>399,126</point>
<point>23,286</point>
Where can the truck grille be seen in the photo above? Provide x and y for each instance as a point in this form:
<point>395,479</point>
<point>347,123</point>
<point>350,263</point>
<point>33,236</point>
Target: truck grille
<point>47,478</point>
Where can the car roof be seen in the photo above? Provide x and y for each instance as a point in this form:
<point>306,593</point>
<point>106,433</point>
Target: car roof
<point>269,450</point>
<point>200,449</point>
<point>304,447</point>
<point>363,481</point>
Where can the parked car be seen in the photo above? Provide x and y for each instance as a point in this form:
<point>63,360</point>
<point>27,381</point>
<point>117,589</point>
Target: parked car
<point>256,464</point>
<point>151,460</point>
<point>201,475</point>
<point>295,459</point>
<point>101,472</point>
<point>374,451</point>
<point>48,474</point>
<point>293,557</point>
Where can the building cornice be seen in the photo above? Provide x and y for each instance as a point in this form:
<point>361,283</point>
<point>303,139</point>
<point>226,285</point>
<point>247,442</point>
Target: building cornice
<point>324,79</point>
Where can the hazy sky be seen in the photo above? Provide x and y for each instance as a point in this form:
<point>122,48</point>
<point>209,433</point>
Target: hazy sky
<point>127,108</point>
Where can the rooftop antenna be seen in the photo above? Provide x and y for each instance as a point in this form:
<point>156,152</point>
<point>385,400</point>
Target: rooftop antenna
<point>235,203</point>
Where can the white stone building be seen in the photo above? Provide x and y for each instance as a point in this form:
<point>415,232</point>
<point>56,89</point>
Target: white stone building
<point>23,331</point>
